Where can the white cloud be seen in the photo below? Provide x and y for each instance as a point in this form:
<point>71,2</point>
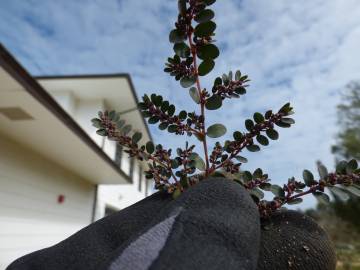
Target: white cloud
<point>303,52</point>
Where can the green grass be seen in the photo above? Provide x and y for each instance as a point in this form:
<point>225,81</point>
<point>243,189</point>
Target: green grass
<point>352,268</point>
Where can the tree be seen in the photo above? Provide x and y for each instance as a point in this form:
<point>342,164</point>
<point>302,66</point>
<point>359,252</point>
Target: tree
<point>348,147</point>
<point>348,143</point>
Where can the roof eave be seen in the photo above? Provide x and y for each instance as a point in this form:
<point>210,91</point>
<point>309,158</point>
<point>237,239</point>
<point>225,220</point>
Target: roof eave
<point>10,64</point>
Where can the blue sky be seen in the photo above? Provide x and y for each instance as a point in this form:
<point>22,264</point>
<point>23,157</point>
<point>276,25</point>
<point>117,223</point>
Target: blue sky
<point>304,52</point>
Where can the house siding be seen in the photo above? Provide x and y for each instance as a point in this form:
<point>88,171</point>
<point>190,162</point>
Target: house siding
<point>118,197</point>
<point>31,217</point>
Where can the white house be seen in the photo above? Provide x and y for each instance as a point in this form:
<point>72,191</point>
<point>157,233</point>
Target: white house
<point>56,174</point>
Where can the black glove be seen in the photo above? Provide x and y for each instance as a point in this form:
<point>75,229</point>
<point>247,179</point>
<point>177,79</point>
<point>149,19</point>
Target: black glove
<point>291,240</point>
<point>214,225</point>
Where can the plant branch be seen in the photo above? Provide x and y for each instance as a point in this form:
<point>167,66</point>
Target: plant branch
<point>237,146</point>
<point>133,148</point>
<point>331,181</point>
<point>202,103</point>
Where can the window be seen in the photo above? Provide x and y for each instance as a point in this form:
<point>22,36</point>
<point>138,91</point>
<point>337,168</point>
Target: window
<point>140,177</point>
<point>136,174</point>
<point>118,154</point>
<point>125,164</point>
<point>149,185</point>
<point>132,162</point>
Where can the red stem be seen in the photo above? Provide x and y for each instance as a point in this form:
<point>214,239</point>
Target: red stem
<point>258,127</point>
<point>202,104</point>
<point>310,190</point>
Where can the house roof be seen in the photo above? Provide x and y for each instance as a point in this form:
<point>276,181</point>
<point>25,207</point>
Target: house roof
<point>74,149</point>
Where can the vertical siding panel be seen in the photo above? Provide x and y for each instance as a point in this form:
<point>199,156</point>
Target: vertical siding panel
<point>30,216</point>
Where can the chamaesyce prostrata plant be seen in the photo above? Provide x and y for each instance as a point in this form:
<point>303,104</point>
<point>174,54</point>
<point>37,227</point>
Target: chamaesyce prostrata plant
<point>176,171</point>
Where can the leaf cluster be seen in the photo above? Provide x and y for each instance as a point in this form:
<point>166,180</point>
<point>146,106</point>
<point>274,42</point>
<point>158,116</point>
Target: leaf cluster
<point>342,184</point>
<point>194,57</point>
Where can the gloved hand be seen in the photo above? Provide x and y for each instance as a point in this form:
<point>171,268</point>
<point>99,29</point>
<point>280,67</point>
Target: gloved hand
<point>213,225</point>
<point>292,240</point>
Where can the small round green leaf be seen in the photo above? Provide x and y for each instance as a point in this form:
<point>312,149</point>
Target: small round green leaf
<point>241,159</point>
<point>339,193</point>
<point>136,137</point>
<point>341,167</point>
<point>120,123</point>
<point>323,172</point>
<point>96,122</point>
<point>187,81</point>
<point>286,108</point>
<point>277,191</point>
<point>240,90</point>
<point>142,106</point>
<point>289,121</point>
<point>172,128</point>
<point>282,124</point>
<point>176,193</point>
<point>171,110</point>
<point>238,136</point>
<point>249,124</point>
<point>182,49</point>
<point>153,120</point>
<point>216,130</point>
<point>353,190</point>
<point>205,29</point>
<point>165,106</point>
<point>257,193</point>
<point>176,36</point>
<point>351,166</point>
<point>182,115</point>
<point>208,51</point>
<point>258,173</point>
<point>101,132</point>
<point>209,2</point>
<point>295,201</point>
<point>237,75</point>
<point>112,115</point>
<point>199,163</point>
<point>150,148</point>
<point>194,94</point>
<point>268,114</point>
<point>247,176</point>
<point>258,117</point>
<point>272,134</point>
<point>262,140</point>
<point>217,81</point>
<point>184,181</point>
<point>213,103</point>
<point>174,164</point>
<point>157,100</point>
<point>265,186</point>
<point>253,148</point>
<point>204,16</point>
<point>163,126</point>
<point>308,177</point>
<point>205,67</point>
<point>126,129</point>
<point>182,7</point>
<point>321,197</point>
